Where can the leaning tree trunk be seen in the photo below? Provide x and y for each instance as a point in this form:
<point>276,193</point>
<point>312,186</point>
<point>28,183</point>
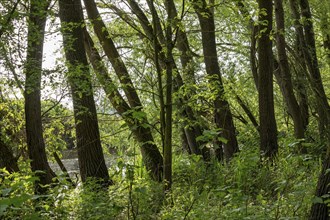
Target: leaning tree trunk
<point>141,133</point>
<point>150,153</point>
<point>306,39</point>
<point>323,108</point>
<point>33,69</point>
<point>90,153</point>
<point>268,129</point>
<point>223,116</point>
<point>319,210</point>
<point>284,78</point>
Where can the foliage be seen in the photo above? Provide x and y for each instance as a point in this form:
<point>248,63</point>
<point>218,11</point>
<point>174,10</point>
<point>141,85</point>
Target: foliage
<point>242,189</point>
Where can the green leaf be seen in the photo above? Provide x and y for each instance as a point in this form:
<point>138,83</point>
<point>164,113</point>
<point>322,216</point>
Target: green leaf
<point>317,199</point>
<point>6,191</point>
<point>138,115</point>
<point>3,208</point>
<point>223,140</point>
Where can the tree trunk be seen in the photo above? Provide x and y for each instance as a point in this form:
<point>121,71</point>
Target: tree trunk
<point>112,54</point>
<point>284,76</point>
<point>90,153</point>
<point>140,129</point>
<point>306,40</point>
<point>268,129</point>
<point>33,69</point>
<point>150,153</point>
<point>253,40</point>
<point>190,127</point>
<point>320,211</point>
<point>168,104</point>
<point>223,116</point>
<point>7,159</point>
<point>301,69</point>
<point>322,108</point>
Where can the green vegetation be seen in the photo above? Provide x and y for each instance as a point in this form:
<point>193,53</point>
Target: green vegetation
<point>239,190</point>
<point>190,109</point>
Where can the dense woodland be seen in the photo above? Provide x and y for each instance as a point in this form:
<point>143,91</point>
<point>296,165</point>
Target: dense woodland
<point>206,109</point>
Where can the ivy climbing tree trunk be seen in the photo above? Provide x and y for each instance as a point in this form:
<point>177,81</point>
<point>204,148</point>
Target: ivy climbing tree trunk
<point>33,69</point>
<point>268,128</point>
<point>222,113</point>
<point>90,153</point>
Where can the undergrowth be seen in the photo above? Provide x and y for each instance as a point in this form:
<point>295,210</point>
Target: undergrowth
<point>244,188</point>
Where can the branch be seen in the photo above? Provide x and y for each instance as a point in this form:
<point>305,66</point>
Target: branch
<point>9,18</point>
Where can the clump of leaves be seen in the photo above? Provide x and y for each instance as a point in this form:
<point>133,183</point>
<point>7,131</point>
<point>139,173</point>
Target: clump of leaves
<point>17,197</point>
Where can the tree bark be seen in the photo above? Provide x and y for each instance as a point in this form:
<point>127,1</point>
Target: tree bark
<point>33,69</point>
<point>7,159</point>
<point>322,108</point>
<point>253,40</point>
<point>150,153</point>
<point>112,53</point>
<point>90,153</point>
<point>168,104</point>
<point>192,128</point>
<point>268,128</point>
<point>222,113</point>
<point>140,129</point>
<point>284,76</point>
<point>301,69</point>
<point>320,211</point>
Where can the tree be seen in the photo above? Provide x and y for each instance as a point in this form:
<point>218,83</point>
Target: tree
<point>222,113</point>
<point>7,159</point>
<point>268,128</point>
<point>90,154</point>
<point>306,42</point>
<point>150,153</point>
<point>33,69</point>
<point>8,18</point>
<point>284,78</point>
<point>168,104</point>
<point>320,209</point>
